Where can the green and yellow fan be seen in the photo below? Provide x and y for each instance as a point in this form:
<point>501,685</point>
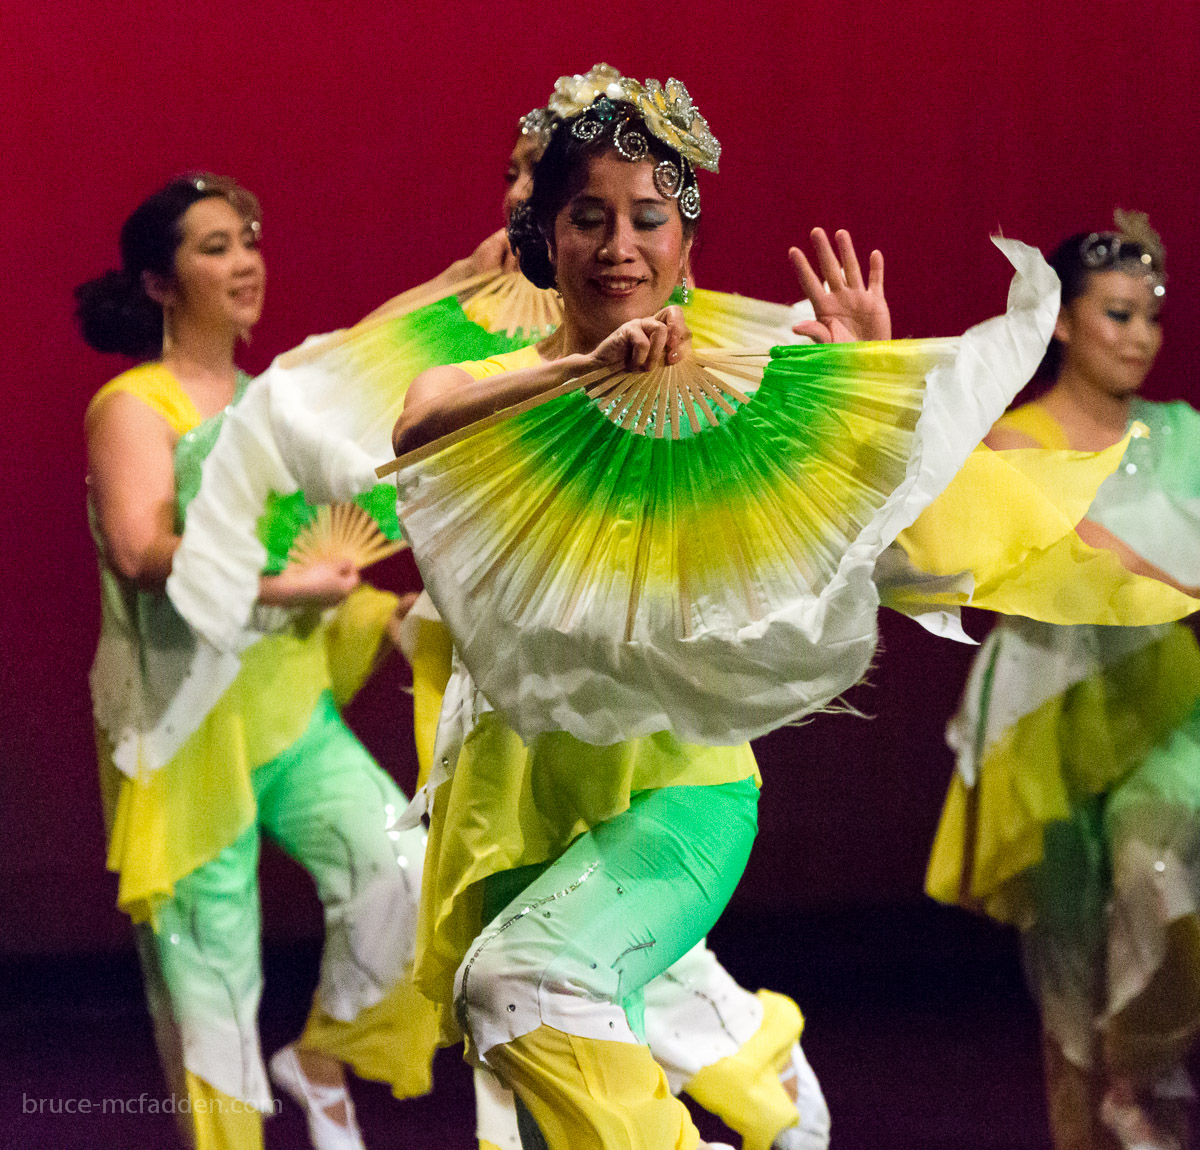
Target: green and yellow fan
<point>691,549</point>
<point>722,319</point>
<point>364,530</point>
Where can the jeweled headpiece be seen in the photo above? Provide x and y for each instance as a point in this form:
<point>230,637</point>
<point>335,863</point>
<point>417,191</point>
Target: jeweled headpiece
<point>602,100</point>
<point>537,125</point>
<point>1135,248</point>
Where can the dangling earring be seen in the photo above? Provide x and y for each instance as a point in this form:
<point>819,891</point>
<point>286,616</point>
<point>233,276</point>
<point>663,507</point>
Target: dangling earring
<point>685,292</point>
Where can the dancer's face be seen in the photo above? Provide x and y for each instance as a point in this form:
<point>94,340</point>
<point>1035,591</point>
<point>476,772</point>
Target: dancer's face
<point>1112,332</point>
<point>219,271</point>
<point>619,247</point>
<point>519,175</point>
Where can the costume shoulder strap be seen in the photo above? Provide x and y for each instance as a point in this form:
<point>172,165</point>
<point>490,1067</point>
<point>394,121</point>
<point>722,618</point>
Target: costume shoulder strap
<point>498,364</point>
<point>156,387</point>
<point>1034,420</point>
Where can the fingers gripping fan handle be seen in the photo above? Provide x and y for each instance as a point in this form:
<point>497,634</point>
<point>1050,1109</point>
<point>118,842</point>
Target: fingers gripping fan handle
<point>687,549</point>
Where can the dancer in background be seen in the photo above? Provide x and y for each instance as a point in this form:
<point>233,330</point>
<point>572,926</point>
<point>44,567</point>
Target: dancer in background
<point>1075,810</point>
<point>191,781</point>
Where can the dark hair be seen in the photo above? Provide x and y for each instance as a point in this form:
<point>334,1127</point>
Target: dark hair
<point>114,311</point>
<point>560,173</point>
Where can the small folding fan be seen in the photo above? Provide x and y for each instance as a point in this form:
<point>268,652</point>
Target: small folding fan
<point>343,531</point>
<point>365,531</point>
<point>691,549</point>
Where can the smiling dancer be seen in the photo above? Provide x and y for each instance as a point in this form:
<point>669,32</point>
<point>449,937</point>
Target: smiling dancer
<point>736,1053</point>
<point>269,752</point>
<point>1075,810</point>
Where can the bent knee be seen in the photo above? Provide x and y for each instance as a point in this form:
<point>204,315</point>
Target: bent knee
<point>513,982</point>
<point>497,991</point>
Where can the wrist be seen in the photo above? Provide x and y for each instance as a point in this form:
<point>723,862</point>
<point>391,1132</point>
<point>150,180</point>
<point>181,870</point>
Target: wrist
<point>273,589</point>
<point>574,364</point>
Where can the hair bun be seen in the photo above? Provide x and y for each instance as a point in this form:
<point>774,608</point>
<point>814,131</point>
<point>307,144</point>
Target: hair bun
<point>116,315</point>
<point>527,241</point>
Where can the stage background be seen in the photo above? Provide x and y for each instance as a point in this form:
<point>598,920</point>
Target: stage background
<point>376,135</point>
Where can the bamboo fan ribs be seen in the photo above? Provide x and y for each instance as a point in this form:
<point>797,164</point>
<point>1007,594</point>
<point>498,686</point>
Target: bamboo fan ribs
<point>342,531</point>
<point>510,304</point>
<point>693,497</point>
<point>659,402</point>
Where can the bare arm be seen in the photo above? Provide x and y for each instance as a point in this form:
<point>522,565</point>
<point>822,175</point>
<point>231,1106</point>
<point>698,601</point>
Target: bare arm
<point>1096,536</point>
<point>445,399</point>
<point>132,474</point>
<point>132,479</point>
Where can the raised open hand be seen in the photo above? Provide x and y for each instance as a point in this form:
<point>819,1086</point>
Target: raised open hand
<point>846,309</point>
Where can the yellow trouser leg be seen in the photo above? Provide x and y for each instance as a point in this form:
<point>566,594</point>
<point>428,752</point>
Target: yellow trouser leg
<point>220,1122</point>
<point>744,1090</point>
<point>586,1094</point>
<point>392,1041</point>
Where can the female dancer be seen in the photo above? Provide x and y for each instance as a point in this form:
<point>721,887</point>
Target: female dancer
<point>273,754</point>
<point>1075,810</point>
<point>736,1052</point>
<point>550,999</point>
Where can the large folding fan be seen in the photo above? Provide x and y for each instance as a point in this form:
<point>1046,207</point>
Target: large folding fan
<point>691,549</point>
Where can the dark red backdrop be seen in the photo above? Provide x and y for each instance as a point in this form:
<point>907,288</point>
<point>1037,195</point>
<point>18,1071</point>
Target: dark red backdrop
<point>375,135</point>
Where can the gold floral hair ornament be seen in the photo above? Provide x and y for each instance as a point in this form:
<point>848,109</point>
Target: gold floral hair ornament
<point>602,100</point>
<point>667,109</point>
<point>1135,248</point>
